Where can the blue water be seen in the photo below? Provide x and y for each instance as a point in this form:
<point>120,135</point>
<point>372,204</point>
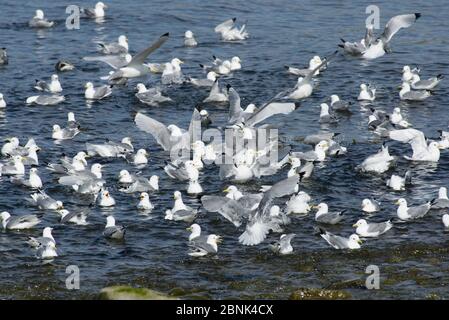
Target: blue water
<point>413,259</point>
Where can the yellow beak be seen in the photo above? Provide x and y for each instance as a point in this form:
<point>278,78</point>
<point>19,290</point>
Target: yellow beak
<point>226,190</point>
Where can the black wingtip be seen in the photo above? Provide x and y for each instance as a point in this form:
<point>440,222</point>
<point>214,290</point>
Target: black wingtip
<point>417,16</point>
<point>342,40</point>
<point>321,230</point>
<point>228,86</point>
<point>297,105</point>
<point>286,67</point>
<point>341,46</point>
<point>201,65</point>
<point>440,76</point>
<point>166,35</point>
<point>234,19</point>
<point>336,134</point>
<point>214,57</point>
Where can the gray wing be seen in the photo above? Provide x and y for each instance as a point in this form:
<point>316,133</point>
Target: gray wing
<point>14,221</point>
<point>115,61</point>
<point>235,109</point>
<point>158,130</point>
<point>416,95</point>
<point>227,25</point>
<point>308,156</point>
<point>440,204</point>
<point>230,209</point>
<point>139,58</point>
<point>369,36</point>
<point>285,241</point>
<point>397,23</point>
<point>335,241</point>
<point>419,211</point>
<point>340,106</point>
<point>316,138</point>
<point>49,100</point>
<point>378,227</point>
<point>279,189</point>
<point>90,12</point>
<point>116,232</point>
<point>270,110</point>
<point>102,92</point>
<point>330,218</point>
<point>41,85</point>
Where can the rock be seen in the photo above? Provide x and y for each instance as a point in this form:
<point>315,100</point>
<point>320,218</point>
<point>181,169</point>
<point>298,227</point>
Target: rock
<point>319,294</point>
<point>130,293</point>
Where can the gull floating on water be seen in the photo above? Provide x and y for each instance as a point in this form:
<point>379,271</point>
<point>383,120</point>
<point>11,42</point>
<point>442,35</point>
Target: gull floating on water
<point>216,94</point>
<point>44,202</point>
<point>397,119</point>
<point>298,203</point>
<point>370,205</point>
<point>33,181</point>
<point>105,199</point>
<point>97,12</point>
<point>407,73</point>
<point>405,212</point>
<point>18,222</point>
<point>172,73</point>
<point>78,218</point>
<point>54,86</point>
<point>313,63</point>
<point>189,39</point>
<point>113,231</point>
<point>2,102</point>
<point>144,202</point>
<point>229,32</point>
<point>358,48</point>
<point>119,47</point>
<point>442,202</point>
<point>64,65</point>
<point>412,95</point>
<point>3,56</point>
<point>64,133</point>
<point>139,184</point>
<point>366,94</point>
<point>445,220</point>
<point>398,183</point>
<point>324,216</point>
<point>339,105</point>
<point>377,163</point>
<point>371,230</point>
<point>14,166</point>
<point>338,242</point>
<point>283,246</point>
<point>200,248</point>
<point>45,100</point>
<point>98,93</point>
<point>110,149</point>
<point>427,84</point>
<point>152,96</point>
<point>46,238</point>
<point>38,21</point>
<point>207,82</point>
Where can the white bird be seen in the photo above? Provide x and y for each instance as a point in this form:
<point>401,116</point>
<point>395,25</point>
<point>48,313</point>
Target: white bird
<point>2,102</point>
<point>283,246</point>
<point>445,219</point>
<point>105,199</point>
<point>407,73</point>
<point>45,100</point>
<point>144,202</point>
<point>64,65</point>
<point>59,133</point>
<point>97,12</point>
<point>172,73</point>
<point>324,216</point>
<point>442,202</point>
<point>398,183</point>
<point>44,202</point>
<point>370,205</point>
<point>179,204</point>
<point>46,238</point>
<point>298,203</point>
<point>14,167</point>
<point>405,212</point>
<point>397,119</point>
<point>229,32</point>
<point>371,230</point>
<point>203,248</point>
<point>412,95</point>
<point>194,187</point>
<point>366,94</point>
<point>54,86</point>
<point>427,84</point>
<point>119,47</point>
<point>195,232</point>
<point>136,67</point>
<point>421,150</point>
<point>338,242</point>
<point>47,251</point>
<point>18,222</point>
<point>78,218</point>
<point>96,93</point>
<point>113,231</point>
<point>189,39</point>
<point>39,21</point>
<point>110,149</point>
<point>3,56</point>
<point>236,63</point>
<point>152,96</point>
<point>207,82</point>
<point>318,154</point>
<point>33,181</point>
<point>377,163</point>
<point>216,94</point>
<point>313,63</point>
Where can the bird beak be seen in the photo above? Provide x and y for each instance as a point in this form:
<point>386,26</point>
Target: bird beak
<point>359,241</point>
<point>181,62</point>
<point>314,207</point>
<point>189,229</point>
<point>226,190</point>
<point>141,197</point>
<point>219,240</point>
<point>396,202</point>
<point>355,225</point>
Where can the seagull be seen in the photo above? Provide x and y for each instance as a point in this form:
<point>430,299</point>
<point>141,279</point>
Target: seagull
<point>338,242</point>
<point>207,82</point>
<point>377,163</point>
<point>370,205</point>
<point>236,63</point>
<point>18,222</point>
<point>428,84</point>
<point>298,203</point>
<point>195,233</point>
<point>339,105</point>
<point>138,159</point>
<point>139,184</point>
<point>416,95</point>
<point>136,68</point>
<point>97,12</point>
<point>64,65</point>
<point>216,94</point>
<point>324,216</point>
<point>10,146</point>
<point>313,63</point>
<point>397,119</point>
<point>325,116</point>
<point>105,199</point>
<point>45,100</point>
<point>38,21</point>
<point>318,154</point>
<point>366,94</point>
<point>417,140</point>
<point>112,231</point>
<point>407,73</point>
<point>110,149</point>
<point>2,102</point>
<point>14,167</point>
<point>64,133</point>
<point>46,251</point>
<point>357,48</point>
<point>145,203</point>
<point>97,93</point>
<point>77,163</point>
<point>181,215</point>
<point>168,137</point>
<point>172,73</point>
<point>78,218</point>
<point>229,32</point>
<point>203,248</point>
<point>194,187</point>
<point>283,246</point>
<point>398,183</point>
<point>124,177</point>
<point>371,230</point>
<point>44,201</point>
<point>54,86</point>
<point>376,48</point>
<point>445,219</point>
<point>46,238</point>
<point>33,181</point>
<point>115,61</point>
<point>189,39</point>
<point>442,202</point>
<point>152,96</point>
<point>119,47</point>
<point>410,213</point>
<point>3,56</point>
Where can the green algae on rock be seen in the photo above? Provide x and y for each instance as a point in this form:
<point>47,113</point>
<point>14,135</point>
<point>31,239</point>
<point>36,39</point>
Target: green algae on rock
<point>319,294</point>
<point>130,293</point>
